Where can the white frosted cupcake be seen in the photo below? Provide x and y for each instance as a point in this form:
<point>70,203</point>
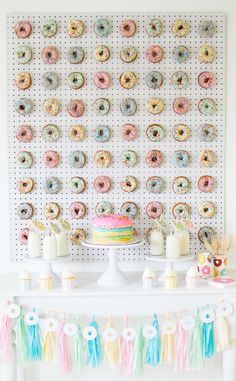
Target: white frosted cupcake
<point>68,280</point>
<point>45,280</point>
<point>170,278</point>
<point>148,278</point>
<point>192,277</point>
<point>25,279</point>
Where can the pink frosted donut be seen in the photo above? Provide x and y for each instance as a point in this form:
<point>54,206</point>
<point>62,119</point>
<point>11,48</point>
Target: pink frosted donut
<point>154,209</point>
<point>154,158</point>
<point>154,53</point>
<point>50,55</point>
<point>23,29</point>
<point>127,28</point>
<point>24,133</point>
<point>102,80</point>
<point>181,105</point>
<point>102,184</point>
<point>206,184</point>
<point>51,159</point>
<point>77,210</point>
<point>128,132</point>
<point>75,108</point>
<point>23,236</point>
<point>206,80</point>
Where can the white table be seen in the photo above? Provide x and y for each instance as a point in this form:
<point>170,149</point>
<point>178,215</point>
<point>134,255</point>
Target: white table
<point>130,300</point>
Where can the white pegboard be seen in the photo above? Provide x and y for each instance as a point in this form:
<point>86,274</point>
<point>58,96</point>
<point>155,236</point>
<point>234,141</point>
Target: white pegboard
<point>115,119</point>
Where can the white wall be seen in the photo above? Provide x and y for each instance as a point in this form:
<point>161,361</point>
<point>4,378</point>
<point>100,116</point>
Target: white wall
<point>228,6</point>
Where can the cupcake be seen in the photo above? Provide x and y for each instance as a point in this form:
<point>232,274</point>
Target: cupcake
<point>25,279</point>
<point>45,280</point>
<point>68,280</point>
<point>192,277</point>
<point>170,278</point>
<point>148,278</point>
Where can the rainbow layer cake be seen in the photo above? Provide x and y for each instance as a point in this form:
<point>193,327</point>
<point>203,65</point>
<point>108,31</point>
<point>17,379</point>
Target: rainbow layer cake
<point>112,229</point>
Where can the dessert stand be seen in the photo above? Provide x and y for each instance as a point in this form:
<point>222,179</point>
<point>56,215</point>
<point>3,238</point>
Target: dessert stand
<point>49,264</point>
<point>168,261</point>
<point>113,276</point>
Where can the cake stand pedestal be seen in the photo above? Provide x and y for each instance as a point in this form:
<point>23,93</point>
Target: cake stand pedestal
<point>168,261</point>
<point>48,264</point>
<point>113,276</point>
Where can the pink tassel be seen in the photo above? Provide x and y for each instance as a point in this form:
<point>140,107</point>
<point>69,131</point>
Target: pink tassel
<point>65,352</point>
<point>126,354</point>
<point>6,349</point>
<point>181,350</point>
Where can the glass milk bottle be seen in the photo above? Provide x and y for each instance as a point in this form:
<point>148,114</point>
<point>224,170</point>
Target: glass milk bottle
<point>34,244</point>
<point>62,243</point>
<point>185,242</point>
<point>49,246</point>
<point>156,241</point>
<point>173,245</point>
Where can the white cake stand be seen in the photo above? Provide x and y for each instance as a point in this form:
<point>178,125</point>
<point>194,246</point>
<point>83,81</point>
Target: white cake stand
<point>48,264</point>
<point>168,261</point>
<point>113,276</point>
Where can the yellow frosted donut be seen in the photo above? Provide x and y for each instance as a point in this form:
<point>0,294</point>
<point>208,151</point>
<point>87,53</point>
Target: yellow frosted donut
<point>102,159</point>
<point>207,53</point>
<point>101,53</point>
<point>51,106</point>
<point>155,105</point>
<point>181,132</point>
<point>75,28</point>
<point>77,235</point>
<point>128,80</point>
<point>51,210</point>
<point>25,185</point>
<point>76,133</point>
<point>206,209</point>
<point>180,28</point>
<point>207,158</point>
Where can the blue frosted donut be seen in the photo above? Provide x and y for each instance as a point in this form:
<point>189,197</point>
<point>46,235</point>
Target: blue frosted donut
<point>181,158</point>
<point>52,185</point>
<point>23,54</point>
<point>207,106</point>
<point>25,211</point>
<point>207,133</point>
<point>154,79</point>
<point>77,159</point>
<point>25,159</point>
<point>155,133</point>
<point>129,209</point>
<point>129,158</point>
<point>101,134</point>
<point>50,80</point>
<point>103,208</point>
<point>155,184</point>
<point>101,106</point>
<point>207,28</point>
<point>24,106</point>
<point>75,55</point>
<point>181,54</point>
<point>102,27</point>
<point>128,106</point>
<point>77,184</point>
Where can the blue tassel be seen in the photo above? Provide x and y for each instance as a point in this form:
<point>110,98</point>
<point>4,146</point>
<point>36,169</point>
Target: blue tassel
<point>34,338</point>
<point>153,354</point>
<point>94,356</point>
<point>208,340</point>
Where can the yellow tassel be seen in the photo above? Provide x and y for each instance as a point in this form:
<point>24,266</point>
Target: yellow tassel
<point>221,333</point>
<point>49,344</point>
<point>111,349</point>
<point>167,346</point>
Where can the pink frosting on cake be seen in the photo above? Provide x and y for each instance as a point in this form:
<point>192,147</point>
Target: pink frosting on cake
<point>112,221</point>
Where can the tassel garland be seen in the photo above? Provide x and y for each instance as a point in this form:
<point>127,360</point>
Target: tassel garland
<point>153,355</point>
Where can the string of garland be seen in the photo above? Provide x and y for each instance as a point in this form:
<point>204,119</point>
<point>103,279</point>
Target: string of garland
<point>185,343</point>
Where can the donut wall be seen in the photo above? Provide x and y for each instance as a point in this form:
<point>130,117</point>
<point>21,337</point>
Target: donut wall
<point>120,112</point>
